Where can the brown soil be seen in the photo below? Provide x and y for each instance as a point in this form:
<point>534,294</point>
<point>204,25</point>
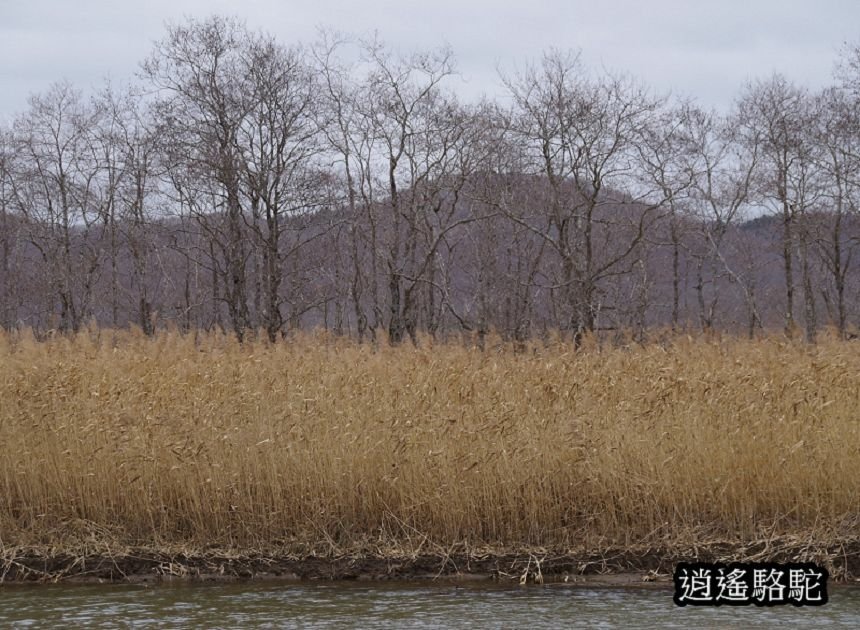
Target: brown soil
<point>612,567</point>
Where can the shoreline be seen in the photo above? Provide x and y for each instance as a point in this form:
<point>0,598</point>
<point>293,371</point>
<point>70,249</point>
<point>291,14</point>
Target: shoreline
<point>609,568</point>
<point>175,458</point>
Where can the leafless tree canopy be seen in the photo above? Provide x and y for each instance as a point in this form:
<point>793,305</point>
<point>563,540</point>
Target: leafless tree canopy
<point>261,188</point>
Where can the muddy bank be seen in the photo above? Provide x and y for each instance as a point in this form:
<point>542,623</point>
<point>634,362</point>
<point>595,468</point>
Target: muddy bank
<point>611,567</point>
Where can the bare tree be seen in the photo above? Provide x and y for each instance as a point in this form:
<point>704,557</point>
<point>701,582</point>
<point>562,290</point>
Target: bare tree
<point>669,163</point>
<point>58,194</point>
<point>130,154</point>
<point>348,129</point>
<point>260,188</point>
<point>205,89</point>
<point>411,139</point>
<point>583,136</point>
<point>279,141</point>
<point>777,115</point>
<point>9,235</point>
<point>724,170</point>
<point>838,137</point>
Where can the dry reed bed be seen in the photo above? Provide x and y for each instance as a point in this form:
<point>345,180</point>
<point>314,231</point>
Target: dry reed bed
<point>327,444</point>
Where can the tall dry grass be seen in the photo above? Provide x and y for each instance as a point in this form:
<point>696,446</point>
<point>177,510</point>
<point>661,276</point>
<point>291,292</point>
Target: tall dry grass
<point>327,444</point>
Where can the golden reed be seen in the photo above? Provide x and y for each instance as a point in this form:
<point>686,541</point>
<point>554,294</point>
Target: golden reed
<point>198,440</point>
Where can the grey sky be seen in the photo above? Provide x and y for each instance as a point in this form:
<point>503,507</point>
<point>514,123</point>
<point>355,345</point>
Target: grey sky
<point>701,49</point>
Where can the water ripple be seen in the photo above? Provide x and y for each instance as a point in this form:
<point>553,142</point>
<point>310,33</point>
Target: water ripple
<point>345,605</point>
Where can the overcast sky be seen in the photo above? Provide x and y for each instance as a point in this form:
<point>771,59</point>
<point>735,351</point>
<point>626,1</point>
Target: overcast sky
<point>700,49</point>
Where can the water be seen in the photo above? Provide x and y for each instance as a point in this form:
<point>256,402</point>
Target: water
<point>386,605</point>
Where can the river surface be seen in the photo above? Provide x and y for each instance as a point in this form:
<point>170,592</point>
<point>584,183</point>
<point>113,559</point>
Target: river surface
<point>387,605</point>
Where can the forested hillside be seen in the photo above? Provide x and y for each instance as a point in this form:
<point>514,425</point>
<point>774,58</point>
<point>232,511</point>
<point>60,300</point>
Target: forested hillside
<point>258,187</point>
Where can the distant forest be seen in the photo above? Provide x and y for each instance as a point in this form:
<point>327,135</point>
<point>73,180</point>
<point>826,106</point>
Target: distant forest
<point>260,188</point>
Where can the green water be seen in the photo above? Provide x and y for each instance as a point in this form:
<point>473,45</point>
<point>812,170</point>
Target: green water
<point>386,605</point>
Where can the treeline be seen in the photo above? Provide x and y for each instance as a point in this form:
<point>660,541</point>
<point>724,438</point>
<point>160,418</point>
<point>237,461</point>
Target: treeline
<point>260,188</point>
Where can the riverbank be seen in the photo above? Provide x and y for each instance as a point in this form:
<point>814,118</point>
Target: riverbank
<point>639,567</point>
<point>333,459</point>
